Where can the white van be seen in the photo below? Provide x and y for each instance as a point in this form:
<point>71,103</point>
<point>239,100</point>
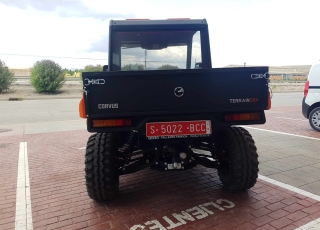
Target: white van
<point>311,100</point>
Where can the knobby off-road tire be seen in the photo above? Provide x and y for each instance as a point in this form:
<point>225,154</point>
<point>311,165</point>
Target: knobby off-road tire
<point>240,159</point>
<point>102,178</point>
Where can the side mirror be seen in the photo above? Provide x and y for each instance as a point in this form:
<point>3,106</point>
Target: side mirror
<point>105,68</point>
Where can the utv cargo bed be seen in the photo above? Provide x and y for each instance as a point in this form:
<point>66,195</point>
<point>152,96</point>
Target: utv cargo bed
<point>140,93</point>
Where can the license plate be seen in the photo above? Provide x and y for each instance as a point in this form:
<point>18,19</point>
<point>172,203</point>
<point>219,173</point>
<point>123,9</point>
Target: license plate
<point>178,128</point>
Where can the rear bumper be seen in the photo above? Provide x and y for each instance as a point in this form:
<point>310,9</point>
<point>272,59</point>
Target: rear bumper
<point>305,108</point>
<point>139,122</point>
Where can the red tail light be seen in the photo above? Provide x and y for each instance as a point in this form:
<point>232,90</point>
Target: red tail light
<point>243,117</point>
<point>306,88</point>
<point>124,122</point>
<point>111,123</point>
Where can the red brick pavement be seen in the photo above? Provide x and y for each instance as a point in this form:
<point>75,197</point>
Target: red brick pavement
<point>288,119</point>
<point>147,198</point>
<point>9,154</point>
<point>150,198</point>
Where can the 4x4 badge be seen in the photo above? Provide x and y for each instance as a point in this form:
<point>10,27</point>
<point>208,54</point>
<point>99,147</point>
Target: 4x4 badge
<point>179,91</point>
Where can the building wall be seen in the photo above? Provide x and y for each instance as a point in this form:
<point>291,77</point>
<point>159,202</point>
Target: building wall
<point>275,77</point>
<point>21,72</point>
<point>280,77</point>
<point>299,78</point>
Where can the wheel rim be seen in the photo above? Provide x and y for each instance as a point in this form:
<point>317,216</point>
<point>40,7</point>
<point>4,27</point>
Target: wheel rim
<point>316,119</point>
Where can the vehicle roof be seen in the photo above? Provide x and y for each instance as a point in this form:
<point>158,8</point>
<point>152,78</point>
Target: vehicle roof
<point>317,64</point>
<point>158,22</point>
<point>314,75</point>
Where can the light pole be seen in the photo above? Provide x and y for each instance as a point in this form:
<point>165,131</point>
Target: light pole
<point>145,59</point>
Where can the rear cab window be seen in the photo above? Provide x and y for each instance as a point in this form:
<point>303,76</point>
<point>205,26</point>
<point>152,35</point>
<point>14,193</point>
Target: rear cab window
<point>156,50</point>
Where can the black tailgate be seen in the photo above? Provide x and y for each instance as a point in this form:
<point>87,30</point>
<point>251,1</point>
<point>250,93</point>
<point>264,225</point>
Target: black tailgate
<point>113,94</point>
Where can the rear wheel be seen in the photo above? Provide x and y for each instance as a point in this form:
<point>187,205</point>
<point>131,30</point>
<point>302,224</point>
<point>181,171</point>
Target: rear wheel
<point>102,178</point>
<point>314,119</point>
<point>238,159</point>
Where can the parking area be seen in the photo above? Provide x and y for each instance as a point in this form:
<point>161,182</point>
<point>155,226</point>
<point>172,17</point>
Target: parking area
<point>43,186</point>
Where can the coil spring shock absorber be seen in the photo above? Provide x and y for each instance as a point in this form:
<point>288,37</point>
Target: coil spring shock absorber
<point>124,155</point>
<point>132,138</point>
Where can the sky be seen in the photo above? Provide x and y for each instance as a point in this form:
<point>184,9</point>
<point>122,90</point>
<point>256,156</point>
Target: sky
<point>74,33</point>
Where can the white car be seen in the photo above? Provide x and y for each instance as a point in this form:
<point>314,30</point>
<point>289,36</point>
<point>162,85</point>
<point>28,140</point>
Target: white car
<point>311,100</point>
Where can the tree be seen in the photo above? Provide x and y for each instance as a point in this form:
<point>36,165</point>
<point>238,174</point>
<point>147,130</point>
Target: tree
<point>89,68</point>
<point>68,71</point>
<point>92,68</point>
<point>168,66</point>
<point>6,77</point>
<point>130,67</point>
<point>47,76</point>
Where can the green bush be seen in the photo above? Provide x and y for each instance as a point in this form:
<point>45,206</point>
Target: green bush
<point>89,68</point>
<point>167,67</point>
<point>6,77</point>
<point>47,76</point>
<point>131,67</point>
<point>93,68</point>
